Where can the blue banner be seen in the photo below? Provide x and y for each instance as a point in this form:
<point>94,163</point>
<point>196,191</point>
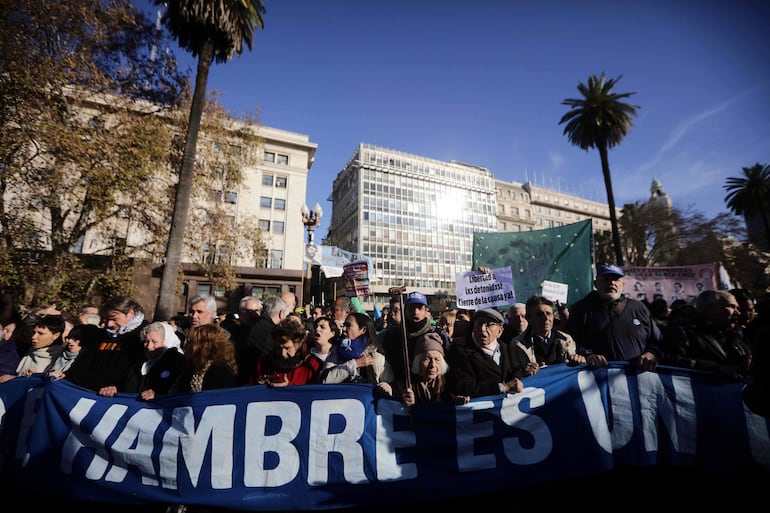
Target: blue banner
<point>335,446</point>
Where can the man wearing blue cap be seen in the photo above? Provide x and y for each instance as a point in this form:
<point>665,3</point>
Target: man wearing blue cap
<point>417,318</point>
<point>608,326</point>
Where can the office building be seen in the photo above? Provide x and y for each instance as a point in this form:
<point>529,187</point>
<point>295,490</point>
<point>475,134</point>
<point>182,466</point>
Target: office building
<point>415,217</point>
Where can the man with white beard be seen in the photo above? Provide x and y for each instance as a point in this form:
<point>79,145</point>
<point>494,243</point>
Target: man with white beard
<point>607,326</point>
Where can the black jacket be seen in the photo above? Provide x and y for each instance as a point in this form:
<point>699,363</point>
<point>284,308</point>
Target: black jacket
<point>474,373</point>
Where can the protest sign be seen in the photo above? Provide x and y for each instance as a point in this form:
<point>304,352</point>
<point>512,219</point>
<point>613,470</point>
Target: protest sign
<point>357,279</point>
<point>479,290</point>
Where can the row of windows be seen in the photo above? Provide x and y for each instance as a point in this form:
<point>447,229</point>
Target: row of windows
<point>471,176</point>
<point>280,182</point>
<point>276,203</point>
<point>566,201</point>
<point>277,226</point>
<point>276,158</point>
<point>256,291</point>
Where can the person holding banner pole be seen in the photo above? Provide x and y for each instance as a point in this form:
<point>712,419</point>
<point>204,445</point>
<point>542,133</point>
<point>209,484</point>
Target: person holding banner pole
<point>415,322</point>
<point>428,369</point>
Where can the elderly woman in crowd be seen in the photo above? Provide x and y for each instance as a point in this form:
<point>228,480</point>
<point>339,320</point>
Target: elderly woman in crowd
<point>428,369</point>
<point>162,365</point>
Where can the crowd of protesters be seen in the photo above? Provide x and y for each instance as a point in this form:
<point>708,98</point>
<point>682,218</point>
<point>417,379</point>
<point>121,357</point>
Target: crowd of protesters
<point>412,355</point>
<point>409,353</point>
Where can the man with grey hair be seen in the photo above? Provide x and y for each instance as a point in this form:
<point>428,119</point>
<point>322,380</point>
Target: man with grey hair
<point>260,339</point>
<point>711,340</point>
<point>516,316</point>
<point>203,310</point>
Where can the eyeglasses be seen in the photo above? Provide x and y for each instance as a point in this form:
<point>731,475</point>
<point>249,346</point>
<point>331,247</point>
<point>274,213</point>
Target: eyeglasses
<point>252,311</point>
<point>488,325</point>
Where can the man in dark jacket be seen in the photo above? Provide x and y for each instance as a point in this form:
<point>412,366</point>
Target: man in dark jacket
<point>607,326</point>
<point>712,341</point>
<point>481,365</point>
<point>260,338</point>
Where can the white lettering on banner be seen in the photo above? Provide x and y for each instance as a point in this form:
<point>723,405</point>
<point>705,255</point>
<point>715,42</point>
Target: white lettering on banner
<point>100,462</point>
<point>389,441</point>
<point>592,400</point>
<point>655,404</point>
<point>511,414</point>
<point>621,408</point>
<point>72,444</point>
<point>258,443</point>
<point>468,432</point>
<point>346,443</point>
<point>134,447</point>
<point>217,425</point>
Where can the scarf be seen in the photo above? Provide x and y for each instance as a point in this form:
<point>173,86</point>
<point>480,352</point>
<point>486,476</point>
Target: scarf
<point>64,361</point>
<point>286,365</point>
<point>131,325</point>
<point>196,383</point>
<point>429,391</point>
<point>420,328</point>
<point>40,360</point>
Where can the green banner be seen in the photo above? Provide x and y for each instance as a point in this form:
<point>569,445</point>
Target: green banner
<point>560,254</point>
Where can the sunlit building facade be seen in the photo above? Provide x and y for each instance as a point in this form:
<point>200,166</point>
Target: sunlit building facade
<point>413,216</point>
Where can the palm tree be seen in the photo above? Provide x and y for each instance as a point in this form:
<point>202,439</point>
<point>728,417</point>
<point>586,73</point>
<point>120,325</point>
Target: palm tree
<point>600,120</point>
<point>749,196</point>
<point>212,30</point>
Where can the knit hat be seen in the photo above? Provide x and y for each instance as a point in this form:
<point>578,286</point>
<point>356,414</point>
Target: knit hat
<point>429,342</point>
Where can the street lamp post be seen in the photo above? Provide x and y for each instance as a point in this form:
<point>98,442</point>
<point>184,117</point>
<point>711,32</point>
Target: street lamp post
<point>311,219</point>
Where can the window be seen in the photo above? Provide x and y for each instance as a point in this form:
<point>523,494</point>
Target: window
<point>280,204</point>
<point>515,211</point>
<point>283,160</point>
<point>266,202</point>
<point>265,292</point>
<point>276,259</point>
<point>264,225</point>
<point>269,156</point>
<point>204,289</point>
<point>280,181</point>
<point>267,180</point>
<point>231,197</point>
<point>278,226</point>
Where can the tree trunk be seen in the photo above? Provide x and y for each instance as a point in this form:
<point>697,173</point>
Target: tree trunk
<point>164,308</point>
<point>611,202</point>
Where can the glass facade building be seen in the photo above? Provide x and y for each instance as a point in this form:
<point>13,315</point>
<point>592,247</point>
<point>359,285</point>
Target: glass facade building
<point>413,216</point>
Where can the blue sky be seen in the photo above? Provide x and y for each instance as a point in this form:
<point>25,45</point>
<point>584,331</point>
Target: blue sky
<point>482,82</point>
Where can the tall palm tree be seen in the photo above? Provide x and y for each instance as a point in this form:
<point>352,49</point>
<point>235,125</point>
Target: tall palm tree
<point>600,120</point>
<point>211,30</point>
<point>749,196</point>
